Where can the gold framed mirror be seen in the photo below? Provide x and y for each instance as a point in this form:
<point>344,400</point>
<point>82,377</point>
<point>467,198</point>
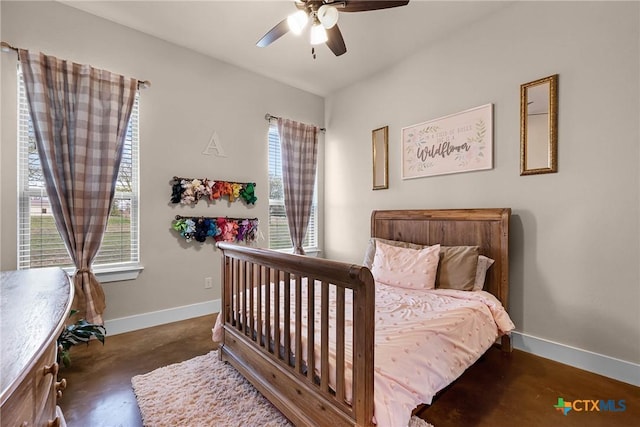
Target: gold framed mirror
<point>539,126</point>
<point>380,145</point>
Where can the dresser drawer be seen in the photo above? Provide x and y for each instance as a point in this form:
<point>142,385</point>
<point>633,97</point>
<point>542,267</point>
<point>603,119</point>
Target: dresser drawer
<point>46,372</point>
<point>18,410</point>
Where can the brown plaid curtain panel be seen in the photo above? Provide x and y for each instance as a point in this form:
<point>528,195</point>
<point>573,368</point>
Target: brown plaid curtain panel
<point>80,116</point>
<point>299,144</point>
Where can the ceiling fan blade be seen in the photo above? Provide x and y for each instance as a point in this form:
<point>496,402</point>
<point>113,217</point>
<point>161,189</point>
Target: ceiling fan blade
<point>364,5</point>
<point>274,34</point>
<point>336,41</point>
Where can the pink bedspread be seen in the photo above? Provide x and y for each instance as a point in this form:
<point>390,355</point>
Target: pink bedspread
<point>424,341</point>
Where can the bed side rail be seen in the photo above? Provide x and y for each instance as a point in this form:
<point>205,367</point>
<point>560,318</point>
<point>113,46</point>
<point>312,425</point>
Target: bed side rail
<point>251,293</point>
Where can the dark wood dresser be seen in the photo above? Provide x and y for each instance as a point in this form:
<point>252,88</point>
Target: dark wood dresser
<point>34,305</point>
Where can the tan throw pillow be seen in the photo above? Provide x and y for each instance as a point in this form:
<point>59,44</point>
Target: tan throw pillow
<point>371,249</point>
<point>457,269</point>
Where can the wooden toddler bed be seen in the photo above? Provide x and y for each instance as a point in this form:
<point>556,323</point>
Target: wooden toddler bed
<point>302,329</point>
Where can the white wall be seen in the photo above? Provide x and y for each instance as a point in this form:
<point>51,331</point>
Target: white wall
<point>190,97</point>
<point>575,234</point>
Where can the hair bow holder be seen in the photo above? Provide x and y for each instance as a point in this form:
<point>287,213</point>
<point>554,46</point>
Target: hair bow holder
<point>218,228</point>
<point>189,191</point>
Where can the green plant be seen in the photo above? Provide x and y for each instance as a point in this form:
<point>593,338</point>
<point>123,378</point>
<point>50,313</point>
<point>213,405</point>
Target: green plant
<point>79,332</point>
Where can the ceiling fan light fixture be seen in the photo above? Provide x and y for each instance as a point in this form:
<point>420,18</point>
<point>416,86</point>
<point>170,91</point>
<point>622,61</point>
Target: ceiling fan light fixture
<point>323,15</point>
<point>297,21</point>
<point>318,34</point>
<point>328,16</point>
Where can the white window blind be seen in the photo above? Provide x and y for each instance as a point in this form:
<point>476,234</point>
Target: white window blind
<point>279,237</point>
<point>39,242</point>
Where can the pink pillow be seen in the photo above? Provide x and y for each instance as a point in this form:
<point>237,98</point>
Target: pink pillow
<point>405,267</point>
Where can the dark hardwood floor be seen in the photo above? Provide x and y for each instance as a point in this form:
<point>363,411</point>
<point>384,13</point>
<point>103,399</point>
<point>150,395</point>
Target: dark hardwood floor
<point>99,392</point>
<point>517,389</point>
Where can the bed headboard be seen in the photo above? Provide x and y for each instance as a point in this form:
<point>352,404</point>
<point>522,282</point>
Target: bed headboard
<point>486,228</point>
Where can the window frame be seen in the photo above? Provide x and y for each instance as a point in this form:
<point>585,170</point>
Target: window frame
<point>106,272</point>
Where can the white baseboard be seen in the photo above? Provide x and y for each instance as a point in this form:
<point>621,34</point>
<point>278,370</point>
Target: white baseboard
<point>611,367</point>
<point>618,369</point>
<point>156,318</point>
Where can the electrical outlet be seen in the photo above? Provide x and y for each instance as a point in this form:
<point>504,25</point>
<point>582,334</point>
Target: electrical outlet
<point>208,283</point>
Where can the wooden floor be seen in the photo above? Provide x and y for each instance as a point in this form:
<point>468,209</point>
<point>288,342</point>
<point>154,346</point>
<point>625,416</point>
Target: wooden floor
<point>518,389</point>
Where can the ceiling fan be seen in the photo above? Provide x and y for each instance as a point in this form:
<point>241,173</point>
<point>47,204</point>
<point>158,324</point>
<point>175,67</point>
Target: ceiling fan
<point>323,15</point>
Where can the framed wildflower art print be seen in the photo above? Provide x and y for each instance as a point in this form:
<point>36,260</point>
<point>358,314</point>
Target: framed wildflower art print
<point>459,142</point>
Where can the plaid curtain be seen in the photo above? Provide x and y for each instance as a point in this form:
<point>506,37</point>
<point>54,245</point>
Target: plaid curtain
<point>299,144</point>
<point>80,116</point>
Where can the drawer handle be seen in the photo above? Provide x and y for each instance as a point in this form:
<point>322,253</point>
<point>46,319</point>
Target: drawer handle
<point>54,423</point>
<point>52,369</point>
<point>60,386</point>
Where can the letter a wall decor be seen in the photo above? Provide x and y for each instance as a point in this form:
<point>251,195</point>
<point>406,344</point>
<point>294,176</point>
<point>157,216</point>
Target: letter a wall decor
<point>460,142</point>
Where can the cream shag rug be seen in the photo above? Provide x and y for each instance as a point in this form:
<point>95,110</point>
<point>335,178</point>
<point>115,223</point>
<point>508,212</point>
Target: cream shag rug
<point>203,392</point>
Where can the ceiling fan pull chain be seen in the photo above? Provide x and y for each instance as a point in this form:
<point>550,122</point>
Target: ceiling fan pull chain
<point>313,52</point>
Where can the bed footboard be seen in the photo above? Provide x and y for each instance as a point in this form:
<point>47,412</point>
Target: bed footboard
<point>311,357</point>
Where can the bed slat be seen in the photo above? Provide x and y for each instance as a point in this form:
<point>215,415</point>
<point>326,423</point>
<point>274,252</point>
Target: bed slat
<point>259,280</point>
<point>244,301</point>
<point>324,338</point>
<point>340,372</point>
<point>276,314</point>
<point>237,281</point>
<point>287,316</point>
<point>267,308</point>
<point>311,310</point>
<point>298,325</point>
<point>252,330</point>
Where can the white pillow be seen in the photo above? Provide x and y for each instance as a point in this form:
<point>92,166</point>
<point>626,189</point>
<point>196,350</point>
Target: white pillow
<point>405,267</point>
<point>481,272</point>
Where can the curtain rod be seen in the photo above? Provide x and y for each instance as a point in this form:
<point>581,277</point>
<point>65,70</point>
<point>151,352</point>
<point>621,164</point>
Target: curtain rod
<point>6,47</point>
<point>268,118</point>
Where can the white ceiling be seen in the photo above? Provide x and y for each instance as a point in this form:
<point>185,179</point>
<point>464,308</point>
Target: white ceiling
<point>229,30</point>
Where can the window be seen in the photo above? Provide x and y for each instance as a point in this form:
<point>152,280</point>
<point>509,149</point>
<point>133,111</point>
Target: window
<point>39,243</point>
<point>278,228</point>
